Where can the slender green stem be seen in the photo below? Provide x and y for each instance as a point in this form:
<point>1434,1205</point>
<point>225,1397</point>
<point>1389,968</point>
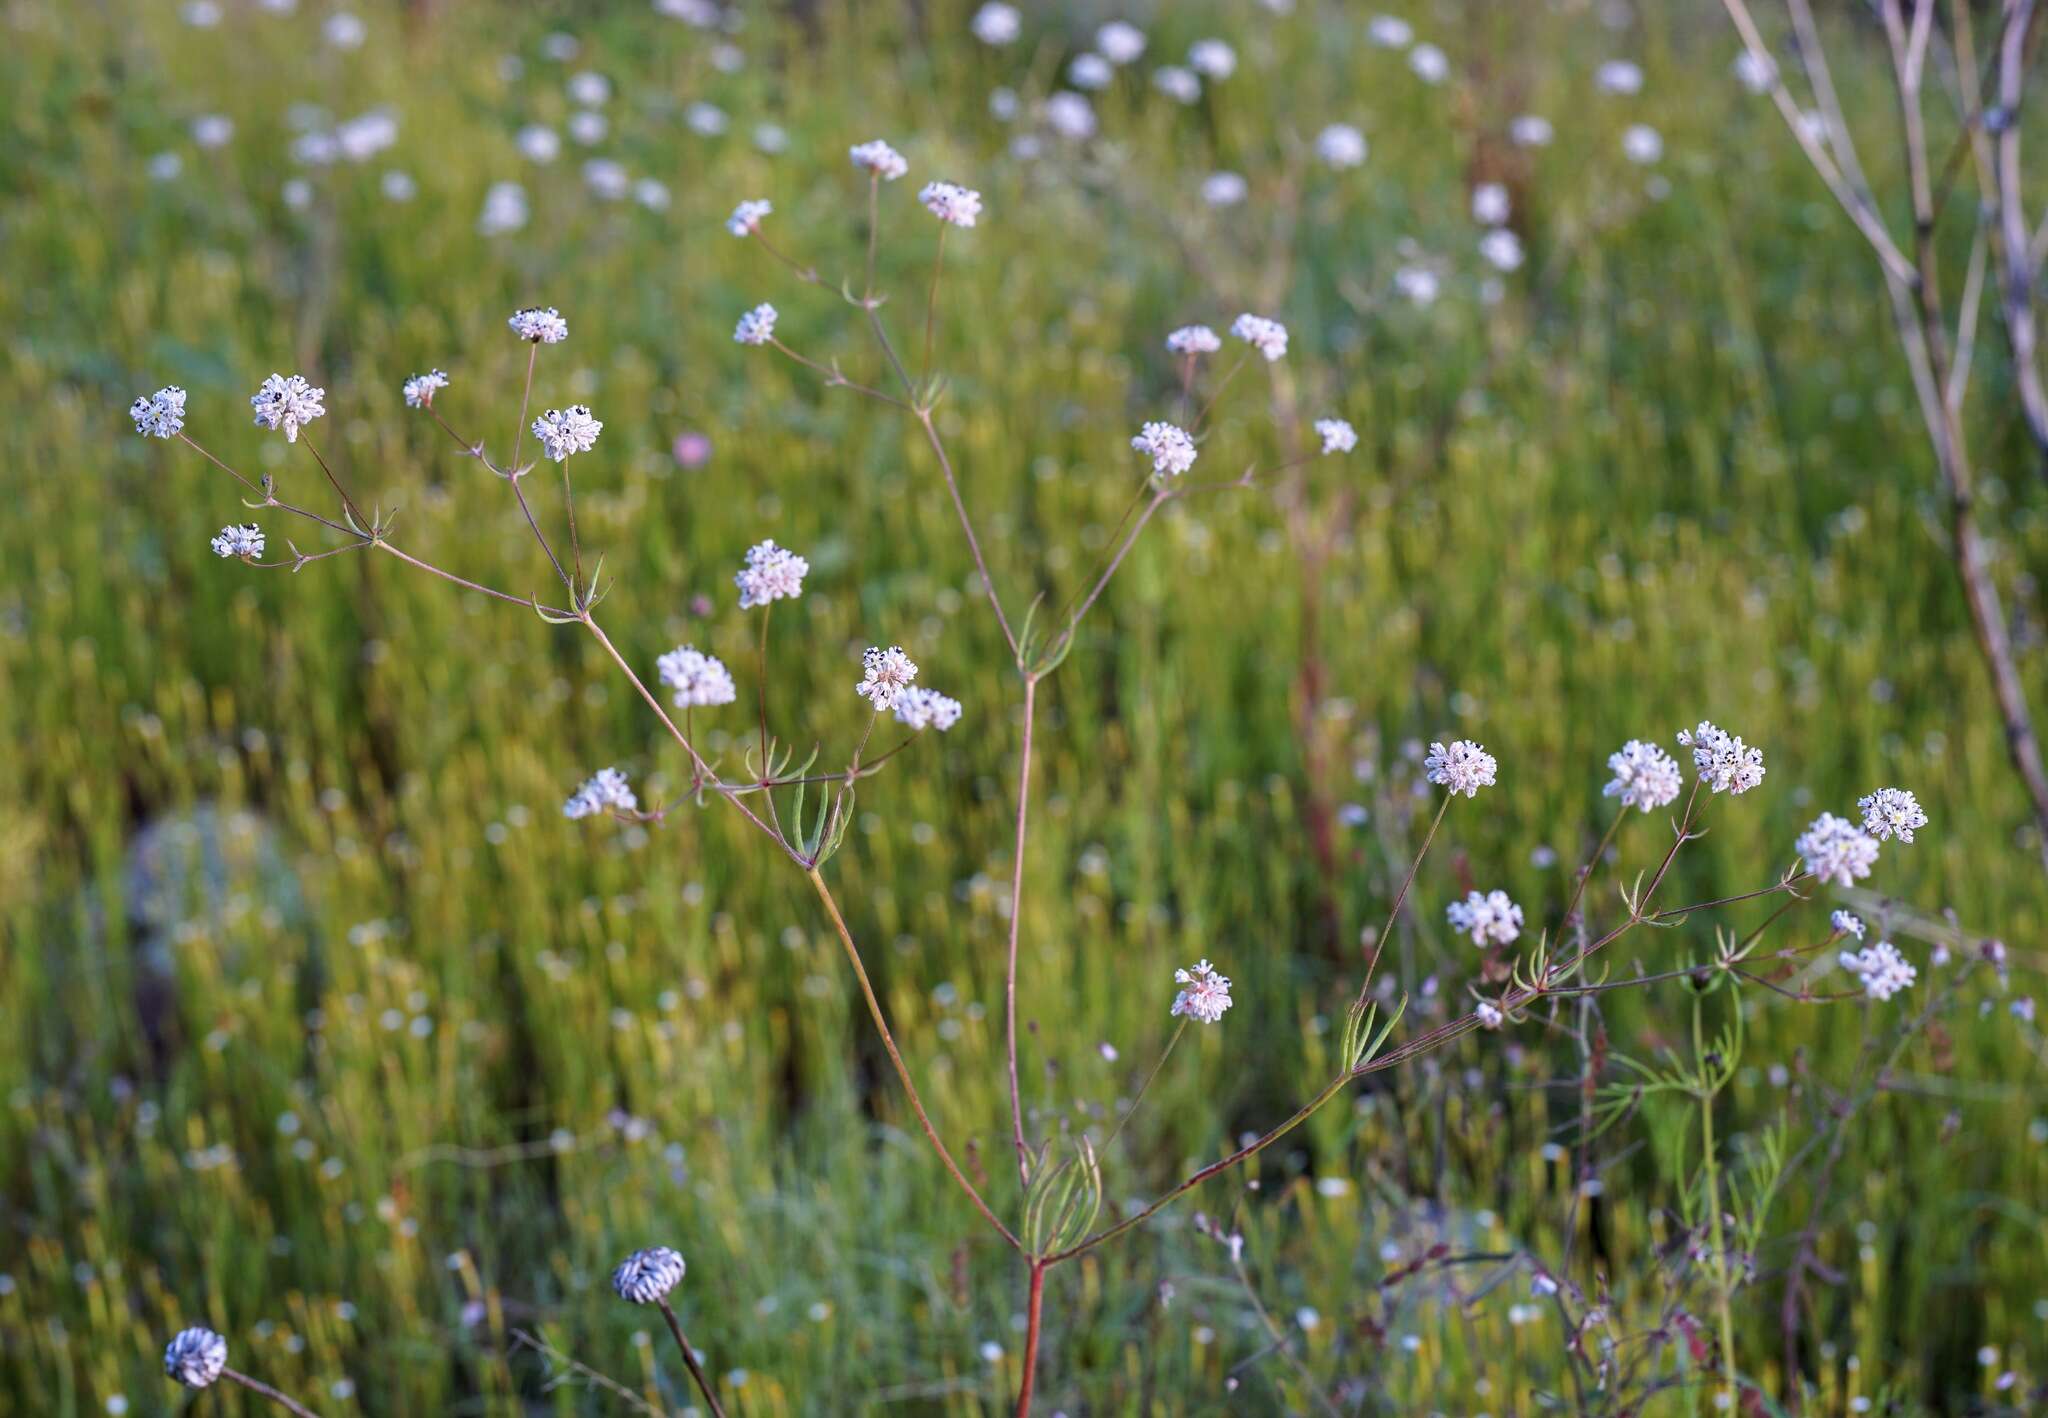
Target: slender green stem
<point>1131,1111</point>
<point>1713,1171</point>
<point>931,306</point>
<point>690,1359</point>
<point>1400,898</point>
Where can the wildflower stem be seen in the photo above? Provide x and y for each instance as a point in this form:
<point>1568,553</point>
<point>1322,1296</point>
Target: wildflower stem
<point>1159,497</point>
<point>874,227</point>
<point>690,1358</point>
<point>525,397</point>
<point>575,547</point>
<point>187,441</point>
<point>761,682</point>
<point>257,1386</point>
<point>1034,1306</point>
<point>1131,1111</point>
<point>895,1058</point>
<point>462,581</point>
<point>334,482</point>
<point>1585,873</point>
<point>931,433</point>
<point>1401,897</point>
<point>1016,918</point>
<point>931,306</point>
<point>1713,1171</point>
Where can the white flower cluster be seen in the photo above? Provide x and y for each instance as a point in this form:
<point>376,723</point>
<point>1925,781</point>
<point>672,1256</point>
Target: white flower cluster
<point>1725,763</point>
<point>746,217</point>
<point>1120,41</point>
<point>419,390</point>
<point>920,709</point>
<point>951,203</point>
<point>1337,434</point>
<point>242,540</point>
<point>1341,146</point>
<point>1490,918</point>
<point>757,326</point>
<point>1187,340</point>
<point>1891,812</point>
<point>1204,994</point>
<point>1645,776</point>
<point>543,326</point>
<point>1463,767</point>
<point>605,791</point>
<point>996,23</point>
<point>565,431</point>
<point>699,680</point>
<point>1169,447</point>
<point>1488,1014</point>
<point>646,1277</point>
<point>159,415</point>
<point>196,1357</point>
<point>771,573</point>
<point>289,403</point>
<point>885,675</point>
<point>1268,337</point>
<point>1836,850</point>
<point>1883,971</point>
<point>1847,923</point>
<point>880,159</point>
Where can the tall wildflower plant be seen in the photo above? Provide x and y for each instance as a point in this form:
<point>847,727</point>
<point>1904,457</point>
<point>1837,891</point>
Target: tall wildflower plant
<point>1046,1203</point>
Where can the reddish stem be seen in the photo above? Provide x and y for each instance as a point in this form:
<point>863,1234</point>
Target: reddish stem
<point>1032,1310</point>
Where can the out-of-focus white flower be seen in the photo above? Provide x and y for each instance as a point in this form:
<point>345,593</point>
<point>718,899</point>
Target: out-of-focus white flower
<point>921,709</point>
<point>771,573</point>
<point>1883,971</point>
<point>1755,72</point>
<point>560,46</point>
<point>604,791</point>
<point>367,134</point>
<point>345,31</point>
<point>1490,205</point>
<point>589,90</point>
<point>1194,340</point>
<point>159,415</point>
<point>1268,337</point>
<point>1837,850</point>
<point>587,126</point>
<point>419,390</point>
<point>746,217</point>
<point>1180,85</point>
<point>315,149</point>
<point>165,167</point>
<point>200,14</point>
<point>1002,104</point>
<point>1224,189</point>
<point>1488,1014</point>
<point>1501,249</point>
<point>1891,812</point>
<point>1429,63</point>
<point>757,326</point>
<point>1212,59</point>
<point>1490,918</point>
<point>646,1277</point>
<point>707,119</point>
<point>1120,41</point>
<point>1725,763</point>
<point>1169,447</point>
<point>563,432</point>
<point>1419,285</point>
<point>702,14</point>
<point>1337,434</point>
<point>606,178</point>
<point>1618,76</point>
<point>243,540</point>
<point>1645,776</point>
<point>398,186</point>
<point>699,680</point>
<point>771,138</point>
<point>539,143</point>
<point>884,675</point>
<point>651,193</point>
<point>1341,146</point>
<point>996,23</point>
<point>543,325</point>
<point>1462,766</point>
<point>288,403</point>
<point>1090,71</point>
<point>2022,1008</point>
<point>951,203</point>
<point>1847,923</point>
<point>880,159</point>
<point>1531,130</point>
<point>1070,115</point>
<point>196,1357</point>
<point>1204,994</point>
<point>1390,32</point>
<point>1640,143</point>
<point>212,130</point>
<point>297,193</point>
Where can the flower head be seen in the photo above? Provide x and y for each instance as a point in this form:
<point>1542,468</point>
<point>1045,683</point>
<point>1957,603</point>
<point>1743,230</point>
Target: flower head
<point>541,326</point>
<point>1501,249</point>
<point>1193,340</point>
<point>195,1357</point>
<point>771,574</point>
<point>1488,1014</point>
<point>244,540</point>
<point>885,675</point>
<point>1725,763</point>
<point>951,203</point>
<point>1337,434</point>
<point>1268,337</point>
<point>1091,71</point>
<point>1490,204</point>
<point>746,217</point>
<point>1883,971</point>
<point>1120,41</point>
<point>699,680</point>
<point>566,431</point>
<point>646,1277</point>
<point>880,159</point>
<point>1204,994</point>
<point>1640,143</point>
<point>1645,776</point>
<point>1390,32</point>
<point>919,709</point>
<point>1847,923</point>
<point>1837,850</point>
<point>1530,130</point>
<point>419,390</point>
<point>1180,85</point>
<point>287,403</point>
<point>757,326</point>
<point>1170,448</point>
<point>996,23</point>
<point>1341,146</point>
<point>1429,64</point>
<point>604,791</point>
<point>1891,812</point>
<point>160,415</point>
<point>1224,189</point>
<point>1490,918</point>
<point>1463,767</point>
<point>1619,76</point>
<point>1212,59</point>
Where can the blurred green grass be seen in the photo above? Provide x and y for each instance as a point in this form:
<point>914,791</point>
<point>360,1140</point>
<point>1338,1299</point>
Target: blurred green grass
<point>1672,473</point>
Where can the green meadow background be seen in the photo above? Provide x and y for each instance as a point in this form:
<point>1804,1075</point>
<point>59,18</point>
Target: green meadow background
<point>319,1025</point>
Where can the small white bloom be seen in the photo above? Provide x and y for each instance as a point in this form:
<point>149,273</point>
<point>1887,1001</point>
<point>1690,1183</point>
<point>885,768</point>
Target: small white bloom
<point>1390,32</point>
<point>1883,971</point>
<point>159,415</point>
<point>366,135</point>
<point>419,390</point>
<point>1501,249</point>
<point>1463,767</point>
<point>244,540</point>
<point>1120,41</point>
<point>195,1357</point>
<point>345,31</point>
<point>587,127</point>
<point>1725,763</point>
<point>539,143</point>
<point>1090,71</point>
<point>699,680</point>
<point>1341,146</point>
<point>1530,131</point>
<point>1337,434</point>
<point>589,90</point>
<point>651,193</point>
<point>1224,189</point>
<point>880,159</point>
<point>646,1277</point>
<point>398,186</point>
<point>1180,85</point>
<point>1418,285</point>
<point>1429,63</point>
<point>920,709</point>
<point>165,167</point>
<point>885,675</point>
<point>1837,850</point>
<point>1645,776</point>
<point>542,326</point>
<point>1618,76</point>
<point>771,138</point>
<point>950,203</point>
<point>771,573</point>
<point>605,791</point>
<point>1268,337</point>
<point>504,210</point>
<point>1204,994</point>
<point>1490,918</point>
<point>606,179</point>
<point>1170,448</point>
<point>1642,144</point>
<point>201,14</point>
<point>1891,812</point>
<point>1490,204</point>
<point>1070,115</point>
<point>1847,923</point>
<point>1212,59</point>
<point>746,217</point>
<point>757,326</point>
<point>1194,340</point>
<point>996,24</point>
<point>706,119</point>
<point>287,403</point>
<point>1488,1014</point>
<point>563,432</point>
<point>212,130</point>
<point>1755,72</point>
